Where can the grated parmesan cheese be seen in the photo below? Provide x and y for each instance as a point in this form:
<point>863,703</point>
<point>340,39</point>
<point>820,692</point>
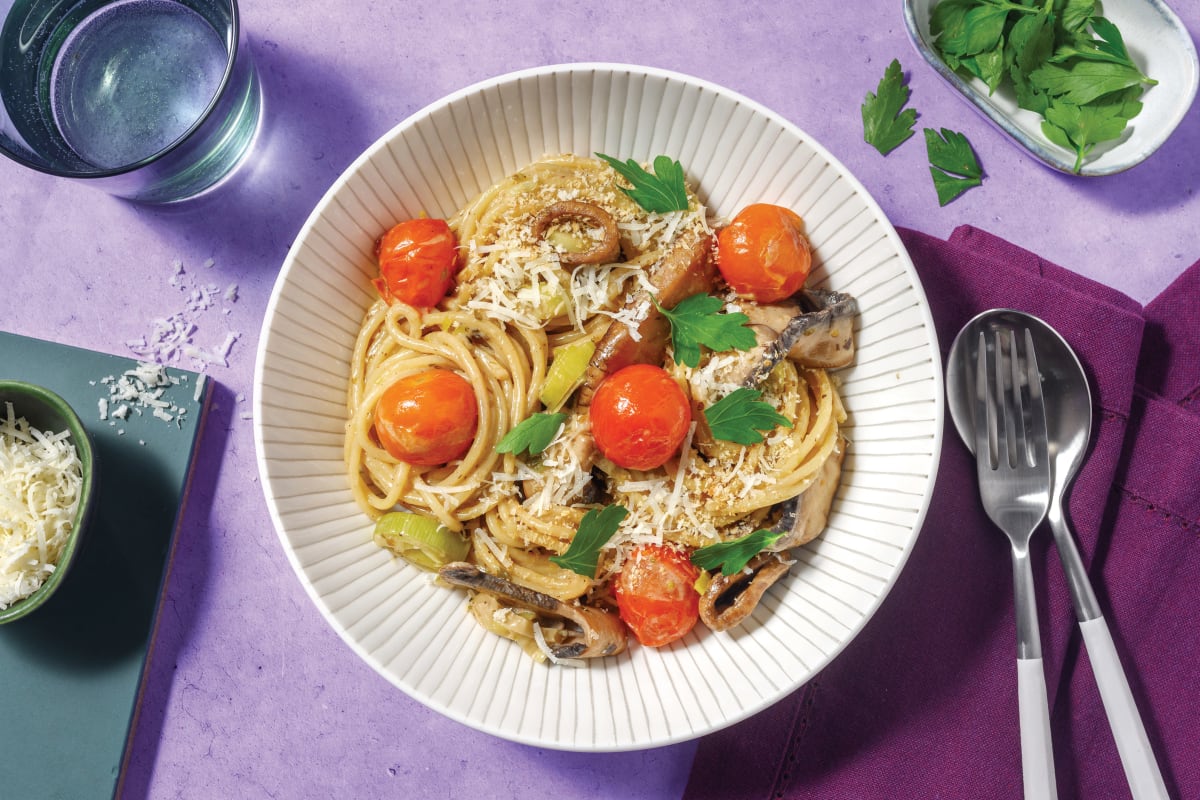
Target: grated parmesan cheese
<point>140,389</point>
<point>41,480</point>
<point>501,553</point>
<point>172,338</point>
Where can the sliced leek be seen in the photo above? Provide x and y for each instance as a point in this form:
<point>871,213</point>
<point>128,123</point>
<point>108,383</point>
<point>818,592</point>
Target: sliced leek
<point>569,241</point>
<point>552,299</point>
<point>419,540</point>
<point>570,362</point>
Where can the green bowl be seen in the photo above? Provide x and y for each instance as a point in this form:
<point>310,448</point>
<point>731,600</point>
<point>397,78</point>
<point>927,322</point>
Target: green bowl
<point>46,411</point>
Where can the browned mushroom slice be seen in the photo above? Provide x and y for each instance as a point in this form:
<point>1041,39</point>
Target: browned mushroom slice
<point>604,251</point>
<point>806,514</point>
<point>685,270</point>
<point>817,333</point>
<point>731,598</point>
<point>592,632</point>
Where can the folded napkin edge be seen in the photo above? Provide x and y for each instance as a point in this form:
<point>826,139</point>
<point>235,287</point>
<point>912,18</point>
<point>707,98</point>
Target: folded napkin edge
<point>975,270</point>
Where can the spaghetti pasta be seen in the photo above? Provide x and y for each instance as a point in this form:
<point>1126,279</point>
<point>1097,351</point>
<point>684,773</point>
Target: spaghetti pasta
<point>517,297</point>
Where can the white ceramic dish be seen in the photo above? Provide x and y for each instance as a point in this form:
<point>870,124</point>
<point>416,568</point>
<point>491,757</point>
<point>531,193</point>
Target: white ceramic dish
<point>420,636</point>
<point>1158,42</point>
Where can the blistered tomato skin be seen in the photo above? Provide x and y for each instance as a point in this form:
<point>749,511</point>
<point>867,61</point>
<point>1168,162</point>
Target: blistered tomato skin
<point>418,260</point>
<point>763,253</point>
<point>427,418</point>
<point>639,417</point>
<point>656,594</point>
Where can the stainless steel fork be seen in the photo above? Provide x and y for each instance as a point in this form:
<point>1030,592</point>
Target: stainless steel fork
<point>1013,464</point>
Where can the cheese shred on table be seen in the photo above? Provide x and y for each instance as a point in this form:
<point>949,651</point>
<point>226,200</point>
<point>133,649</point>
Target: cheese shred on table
<point>41,479</point>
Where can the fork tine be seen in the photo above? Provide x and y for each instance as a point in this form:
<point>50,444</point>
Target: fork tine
<point>1006,435</point>
<point>1008,405</point>
<point>1019,404</point>
<point>984,415</point>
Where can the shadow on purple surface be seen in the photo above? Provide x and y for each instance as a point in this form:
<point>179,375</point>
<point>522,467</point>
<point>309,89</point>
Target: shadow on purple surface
<point>187,572</point>
<point>312,128</point>
<point>1166,179</point>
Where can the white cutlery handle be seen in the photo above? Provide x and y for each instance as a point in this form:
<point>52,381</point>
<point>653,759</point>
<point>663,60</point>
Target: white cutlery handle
<point>1141,770</point>
<point>1037,754</point>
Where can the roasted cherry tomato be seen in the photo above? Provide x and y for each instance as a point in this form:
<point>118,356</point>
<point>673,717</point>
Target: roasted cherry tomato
<point>639,417</point>
<point>764,253</point>
<point>418,260</point>
<point>656,594</point>
<point>427,418</point>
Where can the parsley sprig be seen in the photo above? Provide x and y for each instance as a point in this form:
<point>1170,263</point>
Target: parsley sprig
<point>533,434</point>
<point>661,191</point>
<point>740,416</point>
<point>595,529</point>
<point>952,164</point>
<point>697,321</point>
<point>733,556</point>
<point>1063,61</point>
<point>885,125</point>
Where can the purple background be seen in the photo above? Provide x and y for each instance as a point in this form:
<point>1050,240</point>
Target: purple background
<point>249,693</point>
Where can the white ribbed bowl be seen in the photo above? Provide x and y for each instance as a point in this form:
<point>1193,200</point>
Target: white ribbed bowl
<point>420,636</point>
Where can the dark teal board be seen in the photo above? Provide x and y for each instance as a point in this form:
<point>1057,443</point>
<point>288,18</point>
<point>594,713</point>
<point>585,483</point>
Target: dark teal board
<point>71,672</point>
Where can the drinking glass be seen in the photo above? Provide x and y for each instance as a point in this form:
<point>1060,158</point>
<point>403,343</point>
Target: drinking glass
<point>152,100</point>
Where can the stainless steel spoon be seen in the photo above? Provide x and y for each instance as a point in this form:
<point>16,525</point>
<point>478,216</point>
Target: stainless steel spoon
<point>1068,403</point>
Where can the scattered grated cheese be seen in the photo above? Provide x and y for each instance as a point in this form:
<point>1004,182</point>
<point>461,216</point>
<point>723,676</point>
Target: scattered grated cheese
<point>172,338</point>
<point>140,389</point>
<point>41,479</point>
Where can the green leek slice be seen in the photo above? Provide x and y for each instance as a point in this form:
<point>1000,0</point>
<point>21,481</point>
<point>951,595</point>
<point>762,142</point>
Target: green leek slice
<point>552,300</point>
<point>569,241</point>
<point>419,540</point>
<point>567,368</point>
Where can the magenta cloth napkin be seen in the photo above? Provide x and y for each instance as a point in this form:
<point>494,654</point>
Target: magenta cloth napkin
<point>923,703</point>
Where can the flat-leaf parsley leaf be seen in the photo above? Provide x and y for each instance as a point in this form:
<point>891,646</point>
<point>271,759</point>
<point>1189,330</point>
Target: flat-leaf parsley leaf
<point>740,416</point>
<point>664,190</point>
<point>697,321</point>
<point>733,556</point>
<point>952,164</point>
<point>533,434</point>
<point>595,529</point>
<point>885,126</point>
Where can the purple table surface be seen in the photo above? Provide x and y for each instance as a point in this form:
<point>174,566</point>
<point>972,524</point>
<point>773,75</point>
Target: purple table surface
<point>249,693</point>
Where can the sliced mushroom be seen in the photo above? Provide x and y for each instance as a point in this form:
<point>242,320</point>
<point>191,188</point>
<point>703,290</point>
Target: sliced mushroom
<point>806,514</point>
<point>730,599</point>
<point>686,269</point>
<point>604,251</point>
<point>592,633</point>
<point>818,332</point>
